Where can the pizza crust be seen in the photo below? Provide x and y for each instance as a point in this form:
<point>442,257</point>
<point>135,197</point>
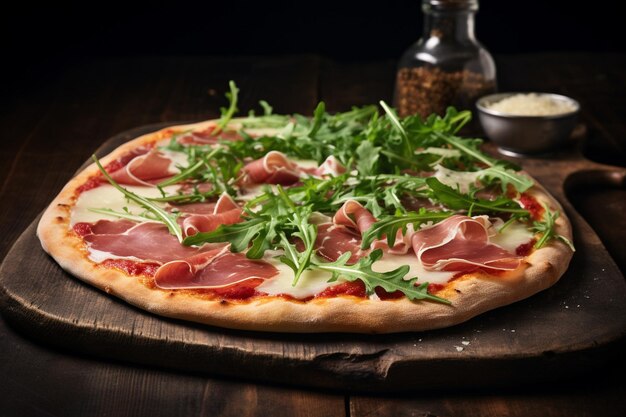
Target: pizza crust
<point>470,295</point>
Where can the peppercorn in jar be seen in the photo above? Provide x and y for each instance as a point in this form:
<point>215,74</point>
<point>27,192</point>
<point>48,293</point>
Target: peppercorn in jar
<point>447,66</point>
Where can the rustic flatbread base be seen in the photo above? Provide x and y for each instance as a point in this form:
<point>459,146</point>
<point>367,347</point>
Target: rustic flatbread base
<point>470,295</point>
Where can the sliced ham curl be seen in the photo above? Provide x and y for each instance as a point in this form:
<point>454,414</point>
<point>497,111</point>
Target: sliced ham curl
<point>144,241</point>
<point>273,168</point>
<point>225,211</point>
<point>209,266</point>
<point>330,167</point>
<point>147,169</point>
<point>276,168</point>
<point>206,137</point>
<point>461,243</point>
<point>353,215</point>
<point>213,269</point>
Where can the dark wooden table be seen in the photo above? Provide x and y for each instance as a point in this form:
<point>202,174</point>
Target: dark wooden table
<point>52,124</point>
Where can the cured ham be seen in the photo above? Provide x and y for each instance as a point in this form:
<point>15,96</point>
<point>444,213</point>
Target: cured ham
<point>206,137</point>
<point>276,168</point>
<point>353,215</point>
<point>330,167</point>
<point>273,168</point>
<point>124,239</point>
<point>225,211</point>
<point>461,243</point>
<point>213,269</point>
<point>335,240</point>
<point>147,169</point>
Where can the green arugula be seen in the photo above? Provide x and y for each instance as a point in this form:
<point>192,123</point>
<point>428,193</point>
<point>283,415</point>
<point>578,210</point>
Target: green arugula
<point>468,147</point>
<point>546,228</point>
<point>390,281</point>
<point>367,157</point>
<point>388,226</point>
<point>506,176</point>
<point>458,201</point>
<point>306,232</point>
<point>227,113</point>
<point>239,234</point>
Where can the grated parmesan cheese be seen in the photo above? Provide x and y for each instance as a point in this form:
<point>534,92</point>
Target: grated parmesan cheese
<point>532,105</point>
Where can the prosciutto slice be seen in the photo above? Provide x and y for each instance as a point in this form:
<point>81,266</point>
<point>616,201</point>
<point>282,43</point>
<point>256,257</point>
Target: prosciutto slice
<point>461,243</point>
<point>330,167</point>
<point>146,169</point>
<point>333,241</point>
<point>213,269</point>
<point>206,137</point>
<point>353,215</point>
<point>225,211</point>
<point>144,241</point>
<point>273,168</point>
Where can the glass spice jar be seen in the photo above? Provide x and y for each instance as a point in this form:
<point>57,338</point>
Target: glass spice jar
<point>447,66</point>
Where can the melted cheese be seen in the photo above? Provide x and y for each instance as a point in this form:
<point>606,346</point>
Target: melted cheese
<point>305,163</point>
<point>177,158</point>
<point>258,131</point>
<point>456,179</point>
<point>512,236</point>
<point>107,196</point>
<point>253,191</point>
<point>390,262</point>
<point>309,284</point>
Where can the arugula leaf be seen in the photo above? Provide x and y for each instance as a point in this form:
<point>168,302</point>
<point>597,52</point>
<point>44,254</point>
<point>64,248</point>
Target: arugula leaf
<point>388,226</point>
<point>366,157</point>
<point>546,228</point>
<point>239,234</point>
<point>267,109</point>
<point>458,201</point>
<point>506,176</point>
<point>390,281</point>
<point>318,117</point>
<point>228,114</point>
<point>186,173</point>
<point>263,240</point>
<point>468,147</point>
<point>394,120</point>
<point>160,214</point>
<point>307,233</point>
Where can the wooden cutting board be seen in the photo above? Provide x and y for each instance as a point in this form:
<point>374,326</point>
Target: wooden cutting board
<point>568,329</point>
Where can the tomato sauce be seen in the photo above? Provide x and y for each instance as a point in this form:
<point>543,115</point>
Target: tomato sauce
<point>386,295</point>
<point>354,288</point>
<point>82,229</point>
<point>433,288</point>
<point>525,248</point>
<point>531,204</point>
<point>240,291</point>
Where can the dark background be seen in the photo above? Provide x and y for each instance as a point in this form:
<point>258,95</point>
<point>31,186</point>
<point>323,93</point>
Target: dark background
<point>39,41</point>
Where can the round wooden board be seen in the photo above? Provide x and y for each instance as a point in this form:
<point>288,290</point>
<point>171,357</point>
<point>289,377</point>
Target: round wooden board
<point>571,327</point>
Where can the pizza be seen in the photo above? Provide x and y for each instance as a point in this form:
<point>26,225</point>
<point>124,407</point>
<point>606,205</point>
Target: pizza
<point>352,222</point>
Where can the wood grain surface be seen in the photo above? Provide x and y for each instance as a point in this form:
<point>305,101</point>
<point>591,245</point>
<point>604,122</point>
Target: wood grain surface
<point>49,131</point>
